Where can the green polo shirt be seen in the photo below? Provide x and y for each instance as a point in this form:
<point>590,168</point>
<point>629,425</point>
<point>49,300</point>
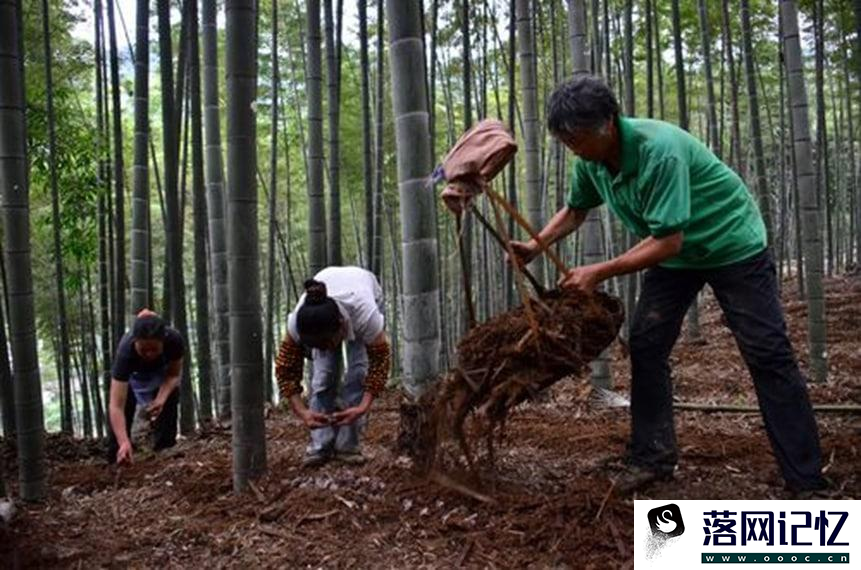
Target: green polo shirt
<point>670,182</point>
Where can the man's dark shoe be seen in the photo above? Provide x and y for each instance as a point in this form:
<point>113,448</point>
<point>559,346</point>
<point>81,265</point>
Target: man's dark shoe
<point>823,490</point>
<point>634,478</point>
<point>810,495</point>
<point>314,459</point>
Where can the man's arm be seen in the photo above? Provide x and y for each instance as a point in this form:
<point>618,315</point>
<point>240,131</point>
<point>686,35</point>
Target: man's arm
<point>647,253</point>
<point>562,223</point>
<point>171,381</point>
<point>116,414</point>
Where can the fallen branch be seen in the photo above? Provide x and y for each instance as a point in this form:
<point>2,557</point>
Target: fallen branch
<point>276,532</point>
<point>728,408</point>
<point>317,516</point>
<point>466,553</point>
<point>256,491</point>
<point>604,502</point>
<point>449,483</point>
<point>273,513</point>
<point>348,503</point>
<point>610,399</point>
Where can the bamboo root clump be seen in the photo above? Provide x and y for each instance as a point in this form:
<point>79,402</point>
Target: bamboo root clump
<point>506,361</point>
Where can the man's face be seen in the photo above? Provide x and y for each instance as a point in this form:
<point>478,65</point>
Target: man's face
<point>595,145</point>
<point>149,349</point>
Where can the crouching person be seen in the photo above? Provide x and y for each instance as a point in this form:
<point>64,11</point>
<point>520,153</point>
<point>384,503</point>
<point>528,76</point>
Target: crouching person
<point>145,377</point>
<point>339,305</point>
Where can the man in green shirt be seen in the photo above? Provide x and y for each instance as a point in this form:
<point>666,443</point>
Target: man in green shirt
<point>698,224</point>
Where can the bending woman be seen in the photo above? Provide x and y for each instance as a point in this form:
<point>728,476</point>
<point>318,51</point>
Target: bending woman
<point>340,304</point>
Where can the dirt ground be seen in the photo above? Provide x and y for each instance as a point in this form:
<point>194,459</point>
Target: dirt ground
<point>549,504</point>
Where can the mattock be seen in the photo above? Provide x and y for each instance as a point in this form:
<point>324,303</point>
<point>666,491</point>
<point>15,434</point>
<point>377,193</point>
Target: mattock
<point>477,157</point>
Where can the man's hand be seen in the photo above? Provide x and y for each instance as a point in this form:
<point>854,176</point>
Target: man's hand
<point>154,408</point>
<point>524,251</point>
<point>124,453</point>
<point>584,279</point>
<point>350,415</point>
<point>313,419</point>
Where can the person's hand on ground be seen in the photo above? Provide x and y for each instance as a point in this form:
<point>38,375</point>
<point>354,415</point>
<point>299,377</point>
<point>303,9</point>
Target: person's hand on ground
<point>124,453</point>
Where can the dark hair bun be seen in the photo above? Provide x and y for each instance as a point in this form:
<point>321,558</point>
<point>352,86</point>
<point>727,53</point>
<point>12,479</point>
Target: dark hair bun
<point>315,292</point>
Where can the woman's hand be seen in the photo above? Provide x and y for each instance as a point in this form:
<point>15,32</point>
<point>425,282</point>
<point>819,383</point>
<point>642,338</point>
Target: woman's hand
<point>350,415</point>
<point>309,417</point>
<point>313,420</point>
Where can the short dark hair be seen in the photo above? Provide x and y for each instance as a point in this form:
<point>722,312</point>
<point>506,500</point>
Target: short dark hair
<point>582,102</point>
<point>319,318</point>
<point>149,327</point>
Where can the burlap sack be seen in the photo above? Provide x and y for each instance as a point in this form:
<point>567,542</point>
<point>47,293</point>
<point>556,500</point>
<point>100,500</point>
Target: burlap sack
<point>480,154</point>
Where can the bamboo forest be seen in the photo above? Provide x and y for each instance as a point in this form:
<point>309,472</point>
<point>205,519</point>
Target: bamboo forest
<point>427,283</point>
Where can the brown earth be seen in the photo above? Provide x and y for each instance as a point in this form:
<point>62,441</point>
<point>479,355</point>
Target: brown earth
<point>549,504</point>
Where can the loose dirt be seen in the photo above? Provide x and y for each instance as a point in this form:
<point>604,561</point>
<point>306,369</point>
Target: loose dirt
<point>550,505</point>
